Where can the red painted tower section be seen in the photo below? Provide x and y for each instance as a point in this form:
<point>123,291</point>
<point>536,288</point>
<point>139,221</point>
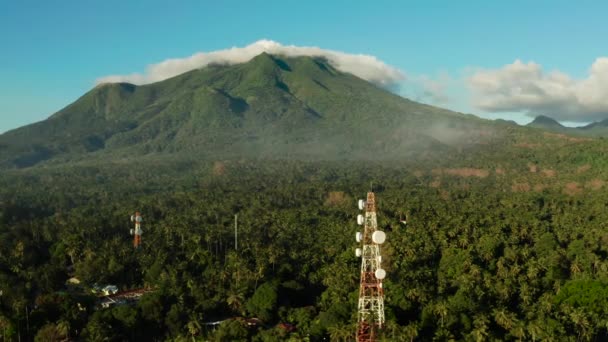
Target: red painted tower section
<point>371,294</point>
<point>136,232</point>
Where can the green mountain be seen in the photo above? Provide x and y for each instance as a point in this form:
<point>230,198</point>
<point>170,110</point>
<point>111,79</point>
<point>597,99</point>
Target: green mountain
<point>270,107</point>
<point>598,129</point>
<point>546,123</point>
<point>594,129</point>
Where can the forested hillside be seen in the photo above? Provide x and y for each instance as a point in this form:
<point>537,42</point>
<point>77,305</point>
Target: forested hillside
<point>513,250</point>
<point>272,107</point>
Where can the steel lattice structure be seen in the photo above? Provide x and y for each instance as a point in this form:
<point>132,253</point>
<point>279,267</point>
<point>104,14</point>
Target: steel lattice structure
<point>371,296</point>
<point>136,232</point>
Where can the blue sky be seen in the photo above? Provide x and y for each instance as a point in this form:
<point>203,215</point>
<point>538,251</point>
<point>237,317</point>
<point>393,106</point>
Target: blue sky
<point>54,51</point>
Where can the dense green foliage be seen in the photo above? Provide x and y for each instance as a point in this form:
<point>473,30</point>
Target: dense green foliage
<point>482,257</point>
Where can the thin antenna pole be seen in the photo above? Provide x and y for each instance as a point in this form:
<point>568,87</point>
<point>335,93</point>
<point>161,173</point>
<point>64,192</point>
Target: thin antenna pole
<point>236,232</point>
<point>236,246</point>
<point>27,321</point>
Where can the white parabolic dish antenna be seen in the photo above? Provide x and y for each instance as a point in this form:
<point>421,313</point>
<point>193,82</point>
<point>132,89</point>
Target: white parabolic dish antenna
<point>378,237</point>
<point>361,204</point>
<point>360,219</point>
<point>380,273</point>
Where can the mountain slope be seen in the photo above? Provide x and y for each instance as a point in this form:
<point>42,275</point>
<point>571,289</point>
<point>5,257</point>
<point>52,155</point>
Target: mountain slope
<point>598,129</point>
<point>594,129</point>
<point>547,123</point>
<point>271,106</point>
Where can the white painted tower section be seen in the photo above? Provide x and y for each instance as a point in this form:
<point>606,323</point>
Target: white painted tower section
<point>371,294</point>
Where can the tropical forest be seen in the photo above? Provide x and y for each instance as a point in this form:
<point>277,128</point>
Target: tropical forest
<point>247,178</point>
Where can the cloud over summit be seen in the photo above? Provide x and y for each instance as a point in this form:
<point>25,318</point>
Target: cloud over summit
<point>526,87</point>
<point>364,66</point>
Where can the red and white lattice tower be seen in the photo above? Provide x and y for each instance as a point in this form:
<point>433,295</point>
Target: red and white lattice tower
<point>136,232</point>
<point>371,296</point>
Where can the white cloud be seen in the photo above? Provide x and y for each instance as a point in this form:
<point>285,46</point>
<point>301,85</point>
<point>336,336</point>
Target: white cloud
<point>434,90</point>
<point>526,87</point>
<point>364,66</point>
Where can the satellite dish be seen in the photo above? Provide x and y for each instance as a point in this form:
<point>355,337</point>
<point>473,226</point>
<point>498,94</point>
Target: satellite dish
<point>358,252</point>
<point>380,274</point>
<point>360,219</point>
<point>358,236</point>
<point>361,204</point>
<point>379,237</point>
<point>132,218</point>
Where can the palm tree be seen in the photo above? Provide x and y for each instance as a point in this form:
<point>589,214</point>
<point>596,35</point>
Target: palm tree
<point>575,268</point>
<point>504,318</point>
<point>235,301</point>
<point>441,309</point>
<point>480,322</point>
<point>194,327</point>
<point>63,328</point>
<point>525,293</point>
<point>391,329</point>
<point>534,329</point>
<point>579,318</point>
<point>340,332</point>
<point>411,331</point>
<point>479,334</point>
<point>519,331</point>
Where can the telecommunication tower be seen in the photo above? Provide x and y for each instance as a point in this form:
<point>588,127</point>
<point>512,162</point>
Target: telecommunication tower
<point>136,218</point>
<point>371,295</point>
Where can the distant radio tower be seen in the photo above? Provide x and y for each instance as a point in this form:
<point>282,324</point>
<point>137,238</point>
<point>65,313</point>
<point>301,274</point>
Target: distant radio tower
<point>136,218</point>
<point>371,296</point>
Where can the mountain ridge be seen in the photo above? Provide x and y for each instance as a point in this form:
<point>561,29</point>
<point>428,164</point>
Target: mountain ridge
<point>270,107</point>
<point>543,121</point>
<point>594,129</point>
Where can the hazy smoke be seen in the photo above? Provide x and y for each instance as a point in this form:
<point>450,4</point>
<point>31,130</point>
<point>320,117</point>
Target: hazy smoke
<point>527,88</point>
<point>364,66</point>
<point>446,134</point>
<point>431,90</point>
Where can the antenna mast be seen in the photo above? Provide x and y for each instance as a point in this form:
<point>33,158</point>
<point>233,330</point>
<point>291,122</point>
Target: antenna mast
<point>136,218</point>
<point>236,232</point>
<point>371,295</point>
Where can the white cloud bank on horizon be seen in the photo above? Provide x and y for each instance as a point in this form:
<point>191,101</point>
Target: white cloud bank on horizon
<point>366,67</point>
<point>521,87</point>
